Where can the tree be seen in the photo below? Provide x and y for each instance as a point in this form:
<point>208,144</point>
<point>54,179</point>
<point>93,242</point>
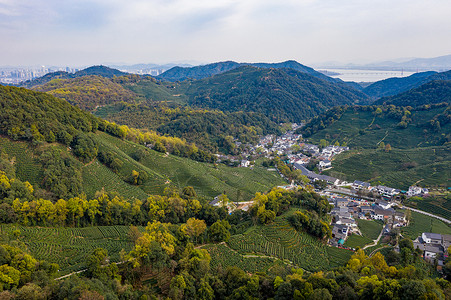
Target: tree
<point>219,231</point>
<point>188,191</point>
<point>135,175</point>
<point>387,148</point>
<point>93,209</point>
<point>96,261</point>
<point>381,145</point>
<point>194,228</point>
<point>323,143</point>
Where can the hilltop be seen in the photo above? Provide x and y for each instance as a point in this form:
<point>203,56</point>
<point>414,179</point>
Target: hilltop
<point>200,72</point>
<point>102,71</point>
<point>280,94</point>
<point>88,92</point>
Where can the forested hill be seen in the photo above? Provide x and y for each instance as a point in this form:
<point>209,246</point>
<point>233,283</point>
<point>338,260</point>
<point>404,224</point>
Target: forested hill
<point>88,92</point>
<point>211,130</point>
<point>436,91</point>
<point>94,70</point>
<point>281,94</point>
<point>200,72</point>
<point>395,85</point>
<point>41,117</point>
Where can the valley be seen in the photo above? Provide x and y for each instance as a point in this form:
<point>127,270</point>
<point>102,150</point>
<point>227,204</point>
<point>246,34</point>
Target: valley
<point>265,172</point>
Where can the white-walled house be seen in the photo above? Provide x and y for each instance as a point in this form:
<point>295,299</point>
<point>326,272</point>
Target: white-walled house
<point>431,238</point>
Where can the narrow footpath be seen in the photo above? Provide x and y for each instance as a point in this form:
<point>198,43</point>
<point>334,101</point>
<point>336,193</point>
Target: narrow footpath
<point>374,243</point>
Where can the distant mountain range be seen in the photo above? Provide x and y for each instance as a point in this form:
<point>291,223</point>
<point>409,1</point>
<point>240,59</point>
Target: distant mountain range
<point>102,71</point>
<point>394,86</point>
<point>439,64</point>
<point>200,72</point>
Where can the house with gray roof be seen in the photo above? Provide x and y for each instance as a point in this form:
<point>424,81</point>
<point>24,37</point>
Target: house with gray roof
<point>431,238</point>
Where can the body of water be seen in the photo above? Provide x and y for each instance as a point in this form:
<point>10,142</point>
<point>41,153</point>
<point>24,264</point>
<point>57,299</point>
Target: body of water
<point>366,75</point>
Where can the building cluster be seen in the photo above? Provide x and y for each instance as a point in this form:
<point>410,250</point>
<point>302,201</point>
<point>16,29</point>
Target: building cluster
<point>347,211</point>
<point>17,75</point>
<point>389,192</point>
<point>434,246</point>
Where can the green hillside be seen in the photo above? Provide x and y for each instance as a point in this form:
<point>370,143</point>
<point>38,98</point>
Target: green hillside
<point>37,121</point>
<point>398,168</point>
<point>209,129</point>
<point>207,179</point>
<point>280,240</point>
<point>393,86</point>
<point>204,71</point>
<point>436,91</point>
<point>280,94</point>
<point>393,146</point>
<point>364,127</point>
<point>88,92</point>
<point>69,247</point>
<point>101,71</point>
<point>164,171</point>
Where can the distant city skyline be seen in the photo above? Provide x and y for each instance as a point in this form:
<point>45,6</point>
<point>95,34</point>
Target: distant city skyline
<point>91,32</point>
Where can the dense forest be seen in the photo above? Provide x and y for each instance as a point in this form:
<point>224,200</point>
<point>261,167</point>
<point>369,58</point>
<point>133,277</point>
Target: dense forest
<point>281,94</point>
<point>395,85</point>
<point>200,72</point>
<point>433,92</point>
<point>211,130</point>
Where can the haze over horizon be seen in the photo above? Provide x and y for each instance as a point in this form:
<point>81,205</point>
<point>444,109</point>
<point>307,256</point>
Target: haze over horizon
<point>81,33</point>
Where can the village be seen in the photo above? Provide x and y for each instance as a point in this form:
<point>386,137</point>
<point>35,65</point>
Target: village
<point>351,202</point>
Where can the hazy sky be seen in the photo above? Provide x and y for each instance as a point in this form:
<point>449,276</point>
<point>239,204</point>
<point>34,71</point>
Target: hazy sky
<point>82,32</point>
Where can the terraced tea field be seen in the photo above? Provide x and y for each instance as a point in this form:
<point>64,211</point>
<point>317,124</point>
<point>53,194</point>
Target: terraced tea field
<point>69,247</point>
<point>421,223</point>
<point>280,240</point>
<point>96,177</point>
<point>26,167</point>
<point>226,257</point>
<point>206,179</point>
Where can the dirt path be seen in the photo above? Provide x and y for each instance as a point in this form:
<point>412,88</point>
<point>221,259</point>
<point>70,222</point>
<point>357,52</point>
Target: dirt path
<point>375,250</point>
<point>81,271</point>
<point>374,243</point>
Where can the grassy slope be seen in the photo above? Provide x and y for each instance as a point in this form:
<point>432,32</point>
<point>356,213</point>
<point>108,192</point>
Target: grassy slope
<point>206,179</point>
<point>370,231</point>
<point>154,91</point>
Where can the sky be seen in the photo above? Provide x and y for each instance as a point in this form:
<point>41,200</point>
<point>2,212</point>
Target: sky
<point>82,32</point>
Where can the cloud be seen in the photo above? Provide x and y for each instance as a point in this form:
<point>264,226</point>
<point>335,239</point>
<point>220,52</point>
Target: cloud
<point>77,31</point>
